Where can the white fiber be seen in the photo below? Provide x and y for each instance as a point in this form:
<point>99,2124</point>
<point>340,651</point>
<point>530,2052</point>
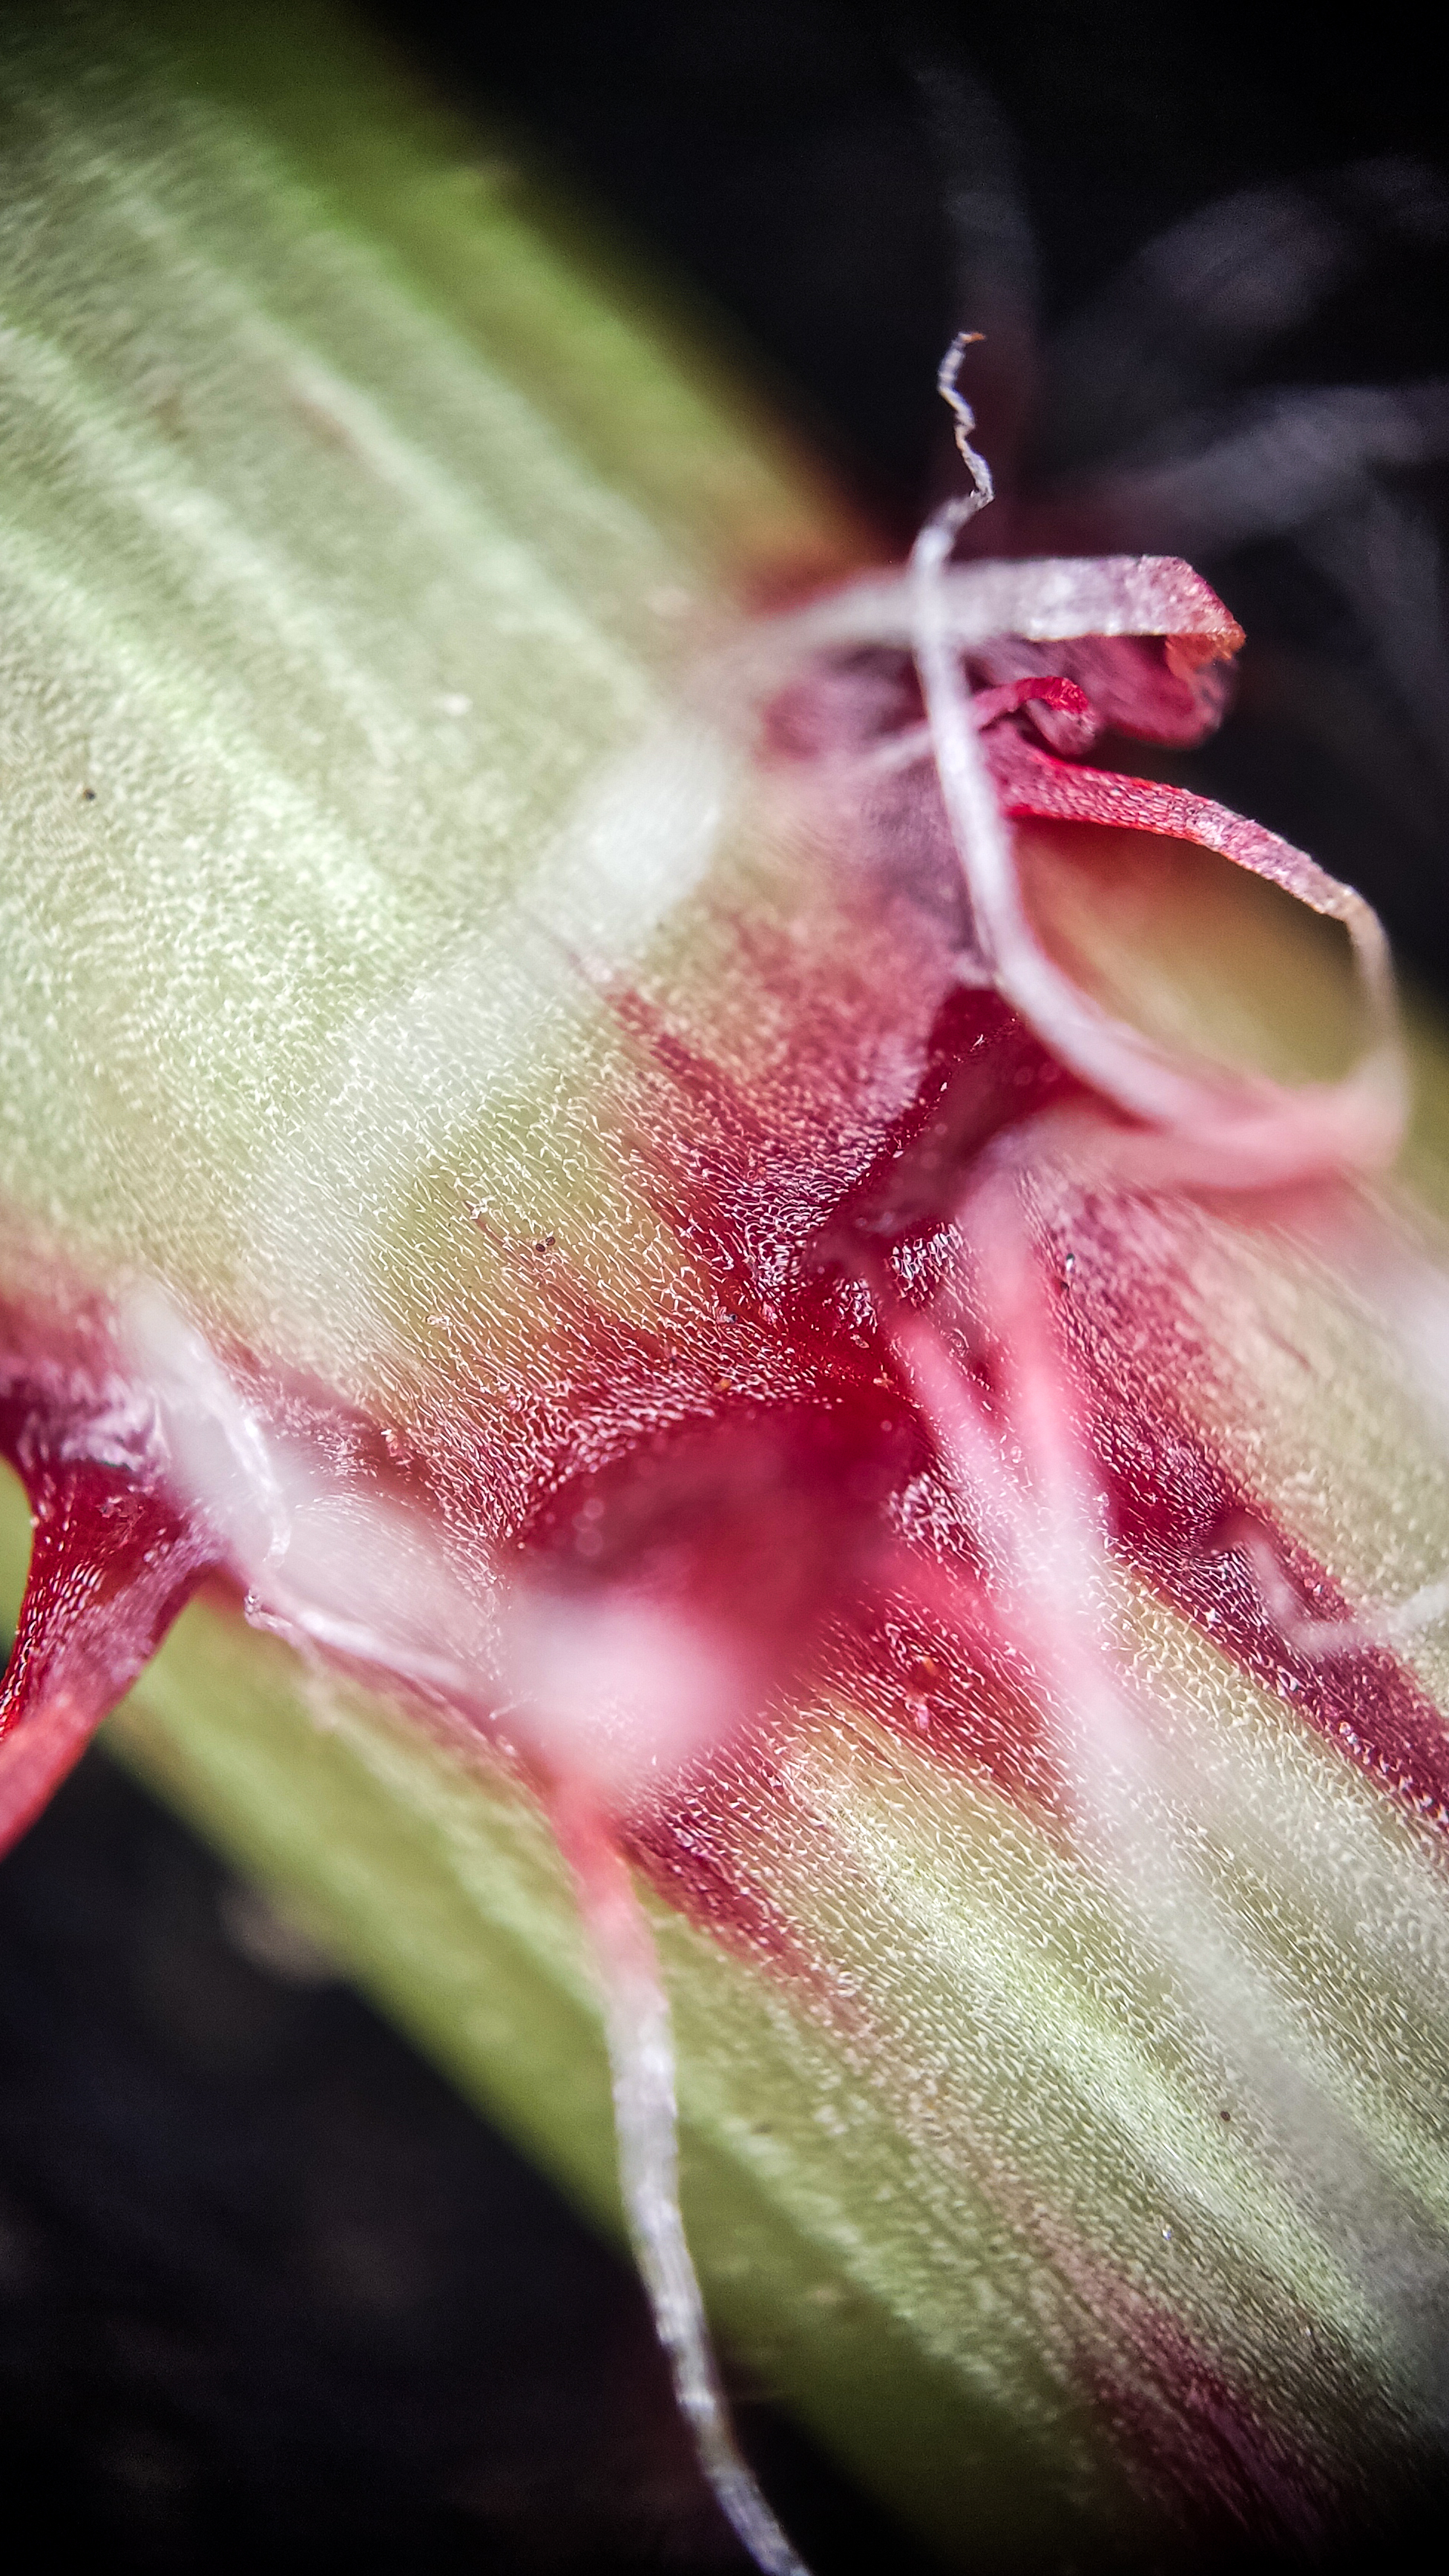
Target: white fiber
<point>641,2057</point>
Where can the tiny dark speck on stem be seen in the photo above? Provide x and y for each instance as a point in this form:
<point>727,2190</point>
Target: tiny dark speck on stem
<point>88,796</point>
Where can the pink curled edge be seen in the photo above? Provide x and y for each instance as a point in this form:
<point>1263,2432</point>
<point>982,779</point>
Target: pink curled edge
<point>1198,1126</point>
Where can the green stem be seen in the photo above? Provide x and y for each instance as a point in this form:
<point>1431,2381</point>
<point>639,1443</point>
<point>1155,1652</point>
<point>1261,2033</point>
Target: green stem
<point>354,512</point>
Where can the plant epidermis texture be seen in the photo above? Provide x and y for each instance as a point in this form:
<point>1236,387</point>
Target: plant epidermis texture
<point>557,1184</point>
<point>716,1547</point>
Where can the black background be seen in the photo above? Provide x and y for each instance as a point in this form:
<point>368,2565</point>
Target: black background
<point>267,2291</point>
<point>850,186</point>
<point>804,165</point>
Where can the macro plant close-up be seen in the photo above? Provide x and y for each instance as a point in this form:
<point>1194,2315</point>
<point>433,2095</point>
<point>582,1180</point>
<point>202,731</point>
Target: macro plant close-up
<point>724,1292</point>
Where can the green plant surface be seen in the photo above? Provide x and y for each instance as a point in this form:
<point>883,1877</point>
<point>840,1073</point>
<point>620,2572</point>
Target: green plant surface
<point>848,2278</point>
<point>356,516</point>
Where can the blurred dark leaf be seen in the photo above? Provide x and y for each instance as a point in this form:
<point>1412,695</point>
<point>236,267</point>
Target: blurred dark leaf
<point>1210,253</point>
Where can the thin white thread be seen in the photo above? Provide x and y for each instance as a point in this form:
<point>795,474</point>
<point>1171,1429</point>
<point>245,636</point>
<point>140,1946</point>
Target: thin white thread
<point>641,2062</point>
<point>1391,1627</point>
<point>948,386</point>
<point>1022,1472</point>
<point>1265,1134</point>
<point>1198,1128</point>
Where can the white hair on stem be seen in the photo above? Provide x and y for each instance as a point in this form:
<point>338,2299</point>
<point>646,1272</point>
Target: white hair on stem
<point>1020,1468</point>
<point>1391,1626</point>
<point>329,1570</point>
<point>1264,1134</point>
<point>1197,1128</point>
<point>641,2059</point>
